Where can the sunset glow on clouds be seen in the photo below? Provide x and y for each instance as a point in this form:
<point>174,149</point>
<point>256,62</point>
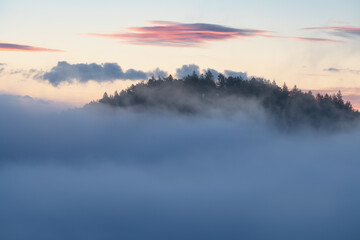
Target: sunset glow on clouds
<point>24,48</point>
<point>323,40</point>
<point>180,34</point>
<point>174,34</point>
<point>339,31</point>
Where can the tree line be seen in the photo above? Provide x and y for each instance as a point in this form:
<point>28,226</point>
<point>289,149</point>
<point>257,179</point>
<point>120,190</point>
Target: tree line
<point>199,93</point>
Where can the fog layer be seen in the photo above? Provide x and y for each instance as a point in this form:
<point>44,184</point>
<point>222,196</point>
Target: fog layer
<point>105,173</point>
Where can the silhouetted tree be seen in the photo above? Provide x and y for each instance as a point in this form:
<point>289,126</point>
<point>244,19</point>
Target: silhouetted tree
<point>194,94</point>
<point>209,76</point>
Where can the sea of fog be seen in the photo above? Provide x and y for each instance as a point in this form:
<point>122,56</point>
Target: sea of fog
<point>105,173</point>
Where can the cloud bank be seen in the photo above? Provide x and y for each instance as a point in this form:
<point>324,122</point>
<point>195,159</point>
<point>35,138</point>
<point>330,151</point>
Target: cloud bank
<point>105,174</point>
<point>175,34</point>
<point>83,72</point>
<point>108,72</point>
<point>24,48</point>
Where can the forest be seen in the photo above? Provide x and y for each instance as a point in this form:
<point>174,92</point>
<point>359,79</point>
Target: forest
<point>194,94</point>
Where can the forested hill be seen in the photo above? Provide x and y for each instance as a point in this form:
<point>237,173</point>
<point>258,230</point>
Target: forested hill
<point>198,94</point>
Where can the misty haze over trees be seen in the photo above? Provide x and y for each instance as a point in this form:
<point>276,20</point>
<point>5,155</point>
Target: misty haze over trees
<point>199,94</point>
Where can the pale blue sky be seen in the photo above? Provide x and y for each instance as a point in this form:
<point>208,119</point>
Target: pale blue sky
<point>254,13</point>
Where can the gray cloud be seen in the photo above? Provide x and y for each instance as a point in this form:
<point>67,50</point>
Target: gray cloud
<point>230,73</point>
<point>343,31</point>
<point>104,173</point>
<point>332,69</point>
<point>65,72</point>
<point>158,73</point>
<point>213,72</point>
<point>187,70</point>
<point>31,73</point>
<point>2,67</point>
<point>107,72</point>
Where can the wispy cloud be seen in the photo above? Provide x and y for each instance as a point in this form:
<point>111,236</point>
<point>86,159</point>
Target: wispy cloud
<point>24,48</point>
<point>320,40</point>
<point>342,31</point>
<point>306,39</point>
<point>31,73</point>
<point>314,75</point>
<point>333,69</point>
<point>2,67</point>
<point>164,33</point>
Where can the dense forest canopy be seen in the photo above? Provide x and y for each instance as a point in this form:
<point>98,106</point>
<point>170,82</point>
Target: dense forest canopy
<point>198,94</point>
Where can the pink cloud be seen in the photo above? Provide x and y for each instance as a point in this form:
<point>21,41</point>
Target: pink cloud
<point>340,30</point>
<point>24,48</point>
<point>306,39</point>
<point>163,33</point>
<point>317,39</point>
<point>181,35</point>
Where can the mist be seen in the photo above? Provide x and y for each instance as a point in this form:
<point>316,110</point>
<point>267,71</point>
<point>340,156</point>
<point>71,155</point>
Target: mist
<point>100,172</point>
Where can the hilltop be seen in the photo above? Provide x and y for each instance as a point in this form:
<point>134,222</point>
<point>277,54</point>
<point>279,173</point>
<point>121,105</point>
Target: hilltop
<point>196,94</point>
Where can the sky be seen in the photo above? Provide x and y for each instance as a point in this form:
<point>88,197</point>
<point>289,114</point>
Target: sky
<point>312,44</point>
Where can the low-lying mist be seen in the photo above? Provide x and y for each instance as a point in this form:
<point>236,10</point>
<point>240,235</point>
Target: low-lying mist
<point>110,173</point>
